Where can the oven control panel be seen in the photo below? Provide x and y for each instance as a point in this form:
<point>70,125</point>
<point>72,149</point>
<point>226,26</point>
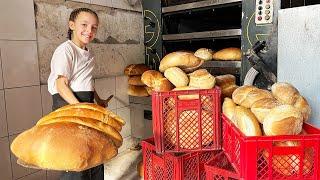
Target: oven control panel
<point>264,12</point>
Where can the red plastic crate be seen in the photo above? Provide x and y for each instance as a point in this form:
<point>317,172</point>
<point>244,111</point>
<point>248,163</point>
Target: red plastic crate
<point>219,168</point>
<point>173,166</point>
<point>258,157</point>
<point>181,125</point>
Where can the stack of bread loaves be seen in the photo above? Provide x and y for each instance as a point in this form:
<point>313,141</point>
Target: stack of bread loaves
<point>227,83</point>
<point>72,138</point>
<point>280,112</point>
<point>135,86</point>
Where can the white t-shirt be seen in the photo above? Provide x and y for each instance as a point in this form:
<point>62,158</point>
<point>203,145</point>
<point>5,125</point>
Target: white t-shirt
<point>75,63</point>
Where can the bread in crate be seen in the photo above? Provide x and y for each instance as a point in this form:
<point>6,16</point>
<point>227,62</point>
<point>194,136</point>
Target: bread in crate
<point>187,120</point>
<point>285,151</point>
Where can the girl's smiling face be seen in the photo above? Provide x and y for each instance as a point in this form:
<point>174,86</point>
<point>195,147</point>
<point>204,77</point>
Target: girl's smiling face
<point>84,29</point>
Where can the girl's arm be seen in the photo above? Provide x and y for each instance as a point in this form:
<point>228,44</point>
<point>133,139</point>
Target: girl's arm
<point>65,91</point>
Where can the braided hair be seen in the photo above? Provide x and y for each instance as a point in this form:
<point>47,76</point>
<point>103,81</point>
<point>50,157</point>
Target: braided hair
<point>74,14</point>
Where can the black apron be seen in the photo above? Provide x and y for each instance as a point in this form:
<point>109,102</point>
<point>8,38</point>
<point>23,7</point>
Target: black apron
<point>95,173</point>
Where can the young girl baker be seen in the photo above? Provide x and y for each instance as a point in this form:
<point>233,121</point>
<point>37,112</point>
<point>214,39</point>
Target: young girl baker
<point>70,80</point>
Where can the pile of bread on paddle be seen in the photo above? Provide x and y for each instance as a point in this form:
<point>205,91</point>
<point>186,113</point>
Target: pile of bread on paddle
<point>180,71</point>
<point>72,138</point>
<point>279,112</point>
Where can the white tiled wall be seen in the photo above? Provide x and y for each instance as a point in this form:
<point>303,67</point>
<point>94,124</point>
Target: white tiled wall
<point>3,119</point>
<point>19,63</point>
<point>17,20</point>
<point>1,80</point>
<point>133,5</point>
<point>5,165</point>
<point>46,100</point>
<point>23,108</point>
<point>124,113</point>
<point>121,91</point>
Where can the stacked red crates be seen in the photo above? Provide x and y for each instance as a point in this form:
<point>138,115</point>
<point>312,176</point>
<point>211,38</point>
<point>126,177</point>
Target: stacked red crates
<point>263,157</point>
<point>173,166</point>
<point>187,134</point>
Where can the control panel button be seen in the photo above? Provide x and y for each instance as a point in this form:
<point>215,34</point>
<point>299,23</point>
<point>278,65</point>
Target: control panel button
<point>267,17</point>
<point>268,6</point>
<point>260,12</point>
<point>267,11</point>
<point>260,8</point>
<point>268,1</point>
<point>260,2</point>
<point>259,18</point>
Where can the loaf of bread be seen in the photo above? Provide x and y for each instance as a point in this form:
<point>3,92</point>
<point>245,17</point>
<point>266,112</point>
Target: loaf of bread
<point>201,79</point>
<point>204,53</point>
<point>188,129</point>
<point>287,94</point>
<point>139,91</point>
<point>176,76</point>
<point>227,83</point>
<point>247,95</point>
<point>162,84</point>
<point>140,169</point>
<point>108,114</point>
<point>83,113</point>
<point>283,120</point>
<point>63,146</point>
<point>179,59</point>
<point>149,90</point>
<point>262,107</point>
<point>135,81</point>
<point>228,109</point>
<point>89,122</point>
<point>231,54</point>
<point>189,96</point>
<point>246,121</point>
<point>150,76</point>
<point>192,68</point>
<point>135,69</point>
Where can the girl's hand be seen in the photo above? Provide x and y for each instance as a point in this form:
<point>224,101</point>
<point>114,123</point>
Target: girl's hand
<point>102,102</point>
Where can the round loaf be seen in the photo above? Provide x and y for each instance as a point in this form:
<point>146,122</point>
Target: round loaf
<point>262,107</point>
<point>188,129</point>
<point>179,59</point>
<point>255,95</point>
<point>228,108</point>
<point>227,83</point>
<point>63,146</point>
<point>283,120</point>
<point>89,122</point>
<point>135,81</point>
<point>135,69</point>
<point>226,80</point>
<point>139,91</point>
<point>228,91</point>
<point>108,114</point>
<point>204,53</point>
<point>239,95</point>
<point>285,93</point>
<point>303,105</point>
<point>150,76</point>
<point>162,84</point>
<point>246,121</point>
<point>193,68</point>
<point>149,90</point>
<point>176,76</point>
<point>231,54</point>
<point>201,79</point>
